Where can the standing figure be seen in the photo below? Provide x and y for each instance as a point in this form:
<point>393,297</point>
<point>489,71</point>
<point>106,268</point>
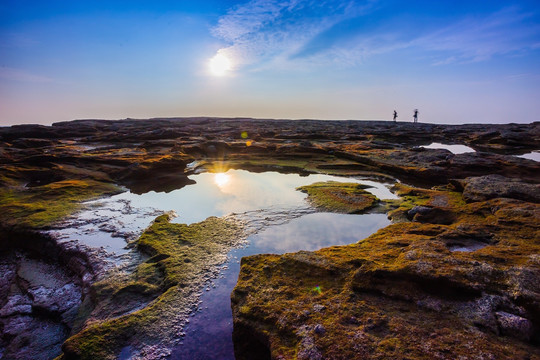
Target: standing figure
<point>395,115</point>
<point>415,116</point>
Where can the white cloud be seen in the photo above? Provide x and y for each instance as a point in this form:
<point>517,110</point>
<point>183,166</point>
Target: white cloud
<point>479,39</point>
<point>275,29</point>
<point>277,33</point>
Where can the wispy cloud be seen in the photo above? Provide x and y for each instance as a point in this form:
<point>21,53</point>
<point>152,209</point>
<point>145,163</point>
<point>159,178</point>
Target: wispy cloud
<point>266,29</point>
<point>478,39</point>
<point>318,32</point>
<point>13,74</point>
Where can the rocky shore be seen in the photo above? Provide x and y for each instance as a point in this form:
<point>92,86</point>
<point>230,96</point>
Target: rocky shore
<point>454,277</point>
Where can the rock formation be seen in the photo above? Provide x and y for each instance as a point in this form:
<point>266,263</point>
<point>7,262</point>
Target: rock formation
<point>454,277</point>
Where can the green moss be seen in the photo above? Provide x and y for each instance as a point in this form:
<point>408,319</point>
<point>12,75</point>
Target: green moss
<point>41,206</point>
<point>402,292</point>
<point>165,284</point>
<point>339,197</point>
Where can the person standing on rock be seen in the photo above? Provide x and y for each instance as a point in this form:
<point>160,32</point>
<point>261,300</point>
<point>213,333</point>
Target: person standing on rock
<point>415,116</point>
<point>395,115</point>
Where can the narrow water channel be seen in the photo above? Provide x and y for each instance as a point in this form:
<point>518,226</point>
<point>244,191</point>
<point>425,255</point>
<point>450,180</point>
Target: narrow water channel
<point>209,334</point>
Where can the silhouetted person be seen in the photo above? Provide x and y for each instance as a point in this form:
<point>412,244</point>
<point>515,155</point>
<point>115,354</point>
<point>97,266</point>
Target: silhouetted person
<point>395,115</point>
<point>415,116</point>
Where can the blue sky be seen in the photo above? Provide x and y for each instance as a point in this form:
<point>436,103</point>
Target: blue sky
<point>456,61</point>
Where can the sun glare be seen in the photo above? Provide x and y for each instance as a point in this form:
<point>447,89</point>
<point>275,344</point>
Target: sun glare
<point>220,65</point>
<point>221,179</point>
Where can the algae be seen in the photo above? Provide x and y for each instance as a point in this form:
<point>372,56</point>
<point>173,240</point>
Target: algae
<point>149,306</point>
<point>402,292</point>
<point>349,198</point>
<point>41,206</point>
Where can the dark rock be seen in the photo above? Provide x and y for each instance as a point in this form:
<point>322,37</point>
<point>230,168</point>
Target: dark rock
<point>496,186</point>
<point>56,300</point>
<point>17,305</point>
<point>515,326</point>
<point>33,338</point>
<point>423,210</point>
<point>319,329</point>
<point>431,215</point>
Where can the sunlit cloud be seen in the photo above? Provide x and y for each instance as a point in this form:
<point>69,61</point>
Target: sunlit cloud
<point>269,29</point>
<point>222,180</point>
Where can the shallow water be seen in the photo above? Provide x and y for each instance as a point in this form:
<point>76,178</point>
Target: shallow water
<point>454,149</point>
<point>238,191</point>
<point>277,216</point>
<point>108,223</point>
<point>535,155</point>
<point>209,334</point>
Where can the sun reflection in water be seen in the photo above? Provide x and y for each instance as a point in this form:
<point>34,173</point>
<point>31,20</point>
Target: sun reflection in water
<point>221,179</point>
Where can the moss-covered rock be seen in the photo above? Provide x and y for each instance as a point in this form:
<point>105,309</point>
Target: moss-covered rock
<point>349,198</point>
<point>414,290</point>
<point>41,206</point>
<point>135,312</point>
<point>46,170</point>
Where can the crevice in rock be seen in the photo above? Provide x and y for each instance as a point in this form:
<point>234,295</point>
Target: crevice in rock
<point>249,344</point>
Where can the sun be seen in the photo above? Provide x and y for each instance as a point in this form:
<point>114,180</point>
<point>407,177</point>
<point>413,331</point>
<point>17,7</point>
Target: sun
<point>220,65</point>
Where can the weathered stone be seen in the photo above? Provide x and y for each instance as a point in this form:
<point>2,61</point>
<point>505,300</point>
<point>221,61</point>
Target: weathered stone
<point>493,186</point>
<point>17,305</point>
<point>33,338</point>
<point>307,348</point>
<point>515,326</point>
<point>56,300</point>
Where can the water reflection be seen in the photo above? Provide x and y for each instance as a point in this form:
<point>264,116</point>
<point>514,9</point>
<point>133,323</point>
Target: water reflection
<point>278,215</point>
<point>318,230</point>
<point>108,223</point>
<point>535,155</point>
<point>238,191</point>
<point>454,149</point>
<point>209,334</point>
<point>221,180</point>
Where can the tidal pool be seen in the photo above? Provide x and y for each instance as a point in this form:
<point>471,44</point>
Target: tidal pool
<point>238,191</point>
<point>454,149</point>
<point>535,155</point>
<point>278,220</point>
<point>209,333</point>
<point>109,223</point>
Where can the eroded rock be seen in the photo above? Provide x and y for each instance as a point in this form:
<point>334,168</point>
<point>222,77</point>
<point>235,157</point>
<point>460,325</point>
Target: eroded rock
<point>403,290</point>
<point>515,326</point>
<point>496,186</point>
<point>408,289</point>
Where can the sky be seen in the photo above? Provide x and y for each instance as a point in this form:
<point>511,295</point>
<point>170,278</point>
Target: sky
<point>455,61</point>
